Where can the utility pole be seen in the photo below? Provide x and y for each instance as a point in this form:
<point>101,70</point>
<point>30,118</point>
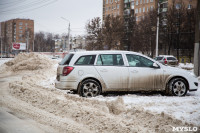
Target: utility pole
<point>68,38</point>
<point>1,46</point>
<point>68,34</point>
<point>197,39</point>
<point>27,41</point>
<point>178,34</point>
<point>157,31</point>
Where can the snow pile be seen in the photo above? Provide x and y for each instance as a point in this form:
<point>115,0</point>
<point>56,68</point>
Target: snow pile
<point>187,66</point>
<point>29,61</point>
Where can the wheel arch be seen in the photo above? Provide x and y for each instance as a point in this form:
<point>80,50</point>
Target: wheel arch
<point>87,79</point>
<point>173,77</point>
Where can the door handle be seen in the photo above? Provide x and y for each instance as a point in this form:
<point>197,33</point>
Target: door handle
<point>134,71</point>
<point>103,70</point>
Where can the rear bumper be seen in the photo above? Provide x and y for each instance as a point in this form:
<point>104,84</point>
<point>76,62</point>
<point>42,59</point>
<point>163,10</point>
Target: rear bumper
<point>63,85</point>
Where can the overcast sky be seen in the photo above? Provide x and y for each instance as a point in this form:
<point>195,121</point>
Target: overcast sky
<point>47,13</point>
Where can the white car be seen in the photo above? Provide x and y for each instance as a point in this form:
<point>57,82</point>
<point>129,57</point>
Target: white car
<point>92,72</point>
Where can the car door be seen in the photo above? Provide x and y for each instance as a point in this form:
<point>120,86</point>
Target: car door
<point>142,75</point>
<point>113,71</point>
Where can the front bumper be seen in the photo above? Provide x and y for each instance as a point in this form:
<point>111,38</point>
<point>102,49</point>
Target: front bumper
<point>195,87</point>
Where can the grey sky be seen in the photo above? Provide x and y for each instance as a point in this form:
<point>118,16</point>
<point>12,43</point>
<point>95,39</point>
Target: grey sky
<point>48,17</point>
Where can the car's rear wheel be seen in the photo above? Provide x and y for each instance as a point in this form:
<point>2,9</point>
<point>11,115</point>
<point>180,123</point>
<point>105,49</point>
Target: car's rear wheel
<point>177,87</point>
<point>89,88</point>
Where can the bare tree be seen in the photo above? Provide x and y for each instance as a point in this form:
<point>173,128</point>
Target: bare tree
<point>94,36</point>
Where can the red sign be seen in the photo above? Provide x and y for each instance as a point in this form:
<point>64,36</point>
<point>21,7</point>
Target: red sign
<point>19,46</point>
<point>16,45</point>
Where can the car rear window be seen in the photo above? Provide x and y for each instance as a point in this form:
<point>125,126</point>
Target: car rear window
<point>158,58</point>
<point>66,59</point>
<point>86,60</point>
<point>171,58</point>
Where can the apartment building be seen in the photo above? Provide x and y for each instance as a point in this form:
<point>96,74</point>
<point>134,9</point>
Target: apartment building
<point>17,30</point>
<point>189,4</point>
<point>113,8</point>
<point>142,7</point>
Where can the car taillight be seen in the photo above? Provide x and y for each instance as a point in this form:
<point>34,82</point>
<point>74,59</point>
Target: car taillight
<point>165,61</point>
<point>67,70</point>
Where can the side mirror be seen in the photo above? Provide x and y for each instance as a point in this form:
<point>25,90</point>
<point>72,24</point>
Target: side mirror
<point>155,65</point>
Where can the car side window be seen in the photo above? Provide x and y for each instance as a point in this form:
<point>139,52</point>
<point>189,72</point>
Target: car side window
<point>86,60</point>
<point>110,60</point>
<point>138,61</point>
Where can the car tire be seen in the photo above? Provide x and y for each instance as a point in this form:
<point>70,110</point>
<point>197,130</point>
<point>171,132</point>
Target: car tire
<point>89,88</point>
<point>177,87</point>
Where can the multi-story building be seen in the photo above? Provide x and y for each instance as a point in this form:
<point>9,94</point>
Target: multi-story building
<point>17,30</point>
<point>142,7</point>
<point>78,42</point>
<point>186,3</point>
<point>113,7</point>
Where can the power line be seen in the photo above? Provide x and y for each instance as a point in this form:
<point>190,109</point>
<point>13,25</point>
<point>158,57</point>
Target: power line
<point>9,2</point>
<point>29,7</point>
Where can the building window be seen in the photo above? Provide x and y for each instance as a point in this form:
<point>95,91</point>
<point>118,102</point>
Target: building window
<point>151,8</point>
<point>136,11</point>
<point>136,18</point>
<point>147,9</point>
<point>132,5</point>
<point>147,1</point>
<point>106,1</point>
<point>143,9</point>
<point>140,1</point>
<point>117,6</point>
<point>20,31</point>
<point>20,23</point>
<point>140,10</point>
<point>20,27</point>
<point>151,0</point>
<point>136,2</point>
<point>144,1</point>
<point>178,6</point>
<point>189,6</point>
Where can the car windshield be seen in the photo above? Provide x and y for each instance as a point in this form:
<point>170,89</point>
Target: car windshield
<point>66,59</point>
<point>171,58</point>
<point>158,58</point>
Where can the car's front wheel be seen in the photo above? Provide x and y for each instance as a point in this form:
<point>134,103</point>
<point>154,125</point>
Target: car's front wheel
<point>177,87</point>
<point>89,88</point>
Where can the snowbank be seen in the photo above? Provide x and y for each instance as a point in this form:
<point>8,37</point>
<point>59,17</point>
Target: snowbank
<point>187,66</point>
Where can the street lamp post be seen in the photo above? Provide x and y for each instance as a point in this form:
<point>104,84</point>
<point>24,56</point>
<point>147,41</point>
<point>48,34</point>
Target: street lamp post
<point>68,48</point>
<point>157,31</point>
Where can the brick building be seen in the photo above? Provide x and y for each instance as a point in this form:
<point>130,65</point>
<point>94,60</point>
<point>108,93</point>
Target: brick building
<point>113,7</point>
<point>17,30</point>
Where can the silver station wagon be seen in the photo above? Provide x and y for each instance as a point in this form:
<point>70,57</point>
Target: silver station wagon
<point>90,73</point>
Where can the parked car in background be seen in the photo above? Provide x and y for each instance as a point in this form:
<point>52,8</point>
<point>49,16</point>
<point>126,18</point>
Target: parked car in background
<point>90,73</point>
<point>167,60</point>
